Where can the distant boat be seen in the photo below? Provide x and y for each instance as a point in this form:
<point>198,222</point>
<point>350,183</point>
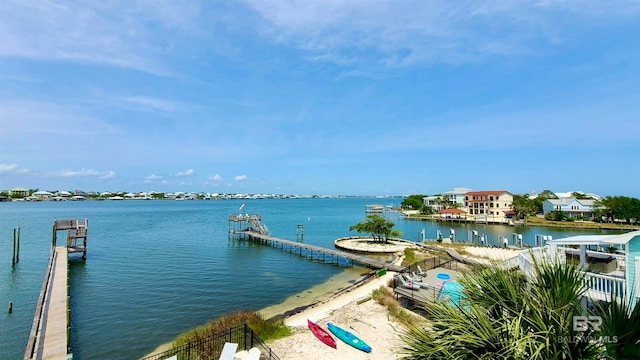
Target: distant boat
<point>322,334</point>
<point>349,338</point>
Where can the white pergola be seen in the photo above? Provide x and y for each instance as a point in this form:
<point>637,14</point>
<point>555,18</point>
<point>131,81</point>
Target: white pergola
<point>620,241</point>
<point>630,263</point>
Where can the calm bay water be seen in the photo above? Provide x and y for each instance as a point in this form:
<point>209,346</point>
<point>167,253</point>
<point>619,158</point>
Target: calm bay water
<point>158,268</point>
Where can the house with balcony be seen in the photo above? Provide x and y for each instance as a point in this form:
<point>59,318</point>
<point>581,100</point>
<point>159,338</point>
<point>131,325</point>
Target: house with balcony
<point>494,203</point>
<point>574,208</point>
<point>19,192</point>
<point>453,197</point>
<point>611,263</point>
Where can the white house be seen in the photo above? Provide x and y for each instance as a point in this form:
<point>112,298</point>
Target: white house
<point>18,191</point>
<point>455,195</point>
<point>42,195</point>
<point>573,207</point>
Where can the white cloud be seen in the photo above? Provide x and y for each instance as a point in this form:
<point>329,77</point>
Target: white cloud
<point>393,33</point>
<point>151,103</point>
<point>216,178</point>
<point>118,33</point>
<point>51,119</point>
<point>108,175</point>
<point>241,178</point>
<point>153,177</point>
<point>13,169</point>
<point>76,173</point>
<point>86,173</point>
<point>185,173</point>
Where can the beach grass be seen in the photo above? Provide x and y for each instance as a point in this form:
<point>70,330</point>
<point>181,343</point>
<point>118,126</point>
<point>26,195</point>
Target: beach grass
<point>270,329</point>
<point>384,296</point>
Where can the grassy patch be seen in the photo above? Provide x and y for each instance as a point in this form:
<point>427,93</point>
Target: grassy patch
<point>265,329</point>
<point>409,256</point>
<point>384,296</point>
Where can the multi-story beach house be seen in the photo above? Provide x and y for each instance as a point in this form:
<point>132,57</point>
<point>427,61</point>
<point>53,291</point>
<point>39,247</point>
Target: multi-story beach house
<point>18,191</point>
<point>453,196</point>
<point>574,208</point>
<point>496,203</point>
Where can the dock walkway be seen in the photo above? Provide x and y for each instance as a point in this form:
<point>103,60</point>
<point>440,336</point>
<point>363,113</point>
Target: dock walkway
<point>49,334</point>
<point>319,252</point>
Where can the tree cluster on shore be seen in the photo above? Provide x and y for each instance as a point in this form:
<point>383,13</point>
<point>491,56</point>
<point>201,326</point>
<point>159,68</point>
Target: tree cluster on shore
<point>380,228</point>
<point>609,209</point>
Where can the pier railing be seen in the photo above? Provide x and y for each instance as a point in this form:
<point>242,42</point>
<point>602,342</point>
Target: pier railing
<point>30,351</point>
<point>211,347</point>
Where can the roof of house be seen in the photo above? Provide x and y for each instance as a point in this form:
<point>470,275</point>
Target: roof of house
<point>452,211</point>
<point>488,192</point>
<point>566,201</point>
<point>596,239</point>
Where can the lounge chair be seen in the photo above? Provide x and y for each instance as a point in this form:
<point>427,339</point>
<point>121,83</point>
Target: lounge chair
<point>415,282</point>
<point>228,351</point>
<point>408,284</point>
<point>420,272</point>
<point>254,354</point>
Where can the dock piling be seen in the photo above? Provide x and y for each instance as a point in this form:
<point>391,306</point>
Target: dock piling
<point>16,247</point>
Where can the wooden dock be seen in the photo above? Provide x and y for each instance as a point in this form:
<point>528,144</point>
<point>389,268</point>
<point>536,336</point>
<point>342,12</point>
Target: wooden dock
<point>50,336</point>
<point>317,252</point>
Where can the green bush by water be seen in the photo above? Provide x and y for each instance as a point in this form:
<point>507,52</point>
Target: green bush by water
<point>265,329</point>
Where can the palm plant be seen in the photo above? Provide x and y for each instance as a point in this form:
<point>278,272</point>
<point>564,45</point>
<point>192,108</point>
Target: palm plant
<point>620,327</point>
<point>507,315</point>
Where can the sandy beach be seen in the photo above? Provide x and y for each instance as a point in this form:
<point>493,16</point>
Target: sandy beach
<point>487,255</point>
<point>368,320</point>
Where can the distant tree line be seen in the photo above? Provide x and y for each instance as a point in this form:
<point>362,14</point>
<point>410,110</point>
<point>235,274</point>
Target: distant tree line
<point>620,208</point>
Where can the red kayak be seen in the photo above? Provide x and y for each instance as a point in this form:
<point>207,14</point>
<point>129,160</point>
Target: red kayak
<point>322,334</point>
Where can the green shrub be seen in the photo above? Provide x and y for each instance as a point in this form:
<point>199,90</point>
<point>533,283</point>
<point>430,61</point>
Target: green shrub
<point>409,256</point>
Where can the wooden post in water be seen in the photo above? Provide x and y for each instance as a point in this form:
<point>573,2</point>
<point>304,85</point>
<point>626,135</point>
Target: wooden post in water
<point>13,255</point>
<point>300,233</point>
<point>16,247</point>
<point>10,307</point>
<point>18,250</point>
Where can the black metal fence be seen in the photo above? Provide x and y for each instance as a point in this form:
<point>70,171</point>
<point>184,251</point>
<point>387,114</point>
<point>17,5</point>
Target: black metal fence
<point>432,263</point>
<point>210,348</point>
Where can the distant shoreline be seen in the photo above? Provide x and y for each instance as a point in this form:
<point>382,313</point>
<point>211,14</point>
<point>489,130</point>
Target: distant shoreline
<point>586,225</point>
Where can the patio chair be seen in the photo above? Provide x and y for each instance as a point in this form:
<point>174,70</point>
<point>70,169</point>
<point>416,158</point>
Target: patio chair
<point>408,284</point>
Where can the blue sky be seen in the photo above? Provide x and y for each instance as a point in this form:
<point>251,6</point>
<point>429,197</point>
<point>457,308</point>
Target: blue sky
<point>320,97</point>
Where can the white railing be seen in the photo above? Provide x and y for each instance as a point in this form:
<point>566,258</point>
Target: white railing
<point>510,263</point>
<point>603,286</point>
<point>600,287</point>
